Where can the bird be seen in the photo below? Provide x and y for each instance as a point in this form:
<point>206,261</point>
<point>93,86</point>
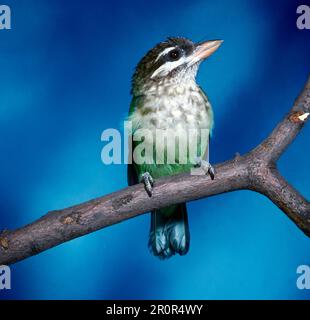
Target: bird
<point>165,96</point>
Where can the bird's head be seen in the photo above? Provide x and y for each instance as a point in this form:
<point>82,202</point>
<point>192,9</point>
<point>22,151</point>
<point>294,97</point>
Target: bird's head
<point>172,61</point>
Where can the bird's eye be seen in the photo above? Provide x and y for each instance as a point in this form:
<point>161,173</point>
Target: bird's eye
<point>174,54</point>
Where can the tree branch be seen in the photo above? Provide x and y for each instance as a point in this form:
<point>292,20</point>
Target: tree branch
<point>255,171</point>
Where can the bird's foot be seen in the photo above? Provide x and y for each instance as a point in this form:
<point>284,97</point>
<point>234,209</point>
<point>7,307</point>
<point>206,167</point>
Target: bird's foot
<point>205,166</point>
<point>148,182</point>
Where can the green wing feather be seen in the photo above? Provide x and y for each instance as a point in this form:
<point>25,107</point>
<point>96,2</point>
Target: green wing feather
<point>132,177</point>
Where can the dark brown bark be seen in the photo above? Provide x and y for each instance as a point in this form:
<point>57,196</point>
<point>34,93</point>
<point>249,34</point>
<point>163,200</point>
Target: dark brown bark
<point>255,171</point>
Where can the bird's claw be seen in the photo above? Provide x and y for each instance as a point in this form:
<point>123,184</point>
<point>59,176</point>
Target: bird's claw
<point>206,167</point>
<point>148,182</point>
<point>211,172</point>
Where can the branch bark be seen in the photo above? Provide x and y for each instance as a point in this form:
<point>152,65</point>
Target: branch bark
<point>255,171</point>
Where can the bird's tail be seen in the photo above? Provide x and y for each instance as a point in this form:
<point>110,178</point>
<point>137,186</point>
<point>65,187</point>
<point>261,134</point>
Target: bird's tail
<point>169,232</point>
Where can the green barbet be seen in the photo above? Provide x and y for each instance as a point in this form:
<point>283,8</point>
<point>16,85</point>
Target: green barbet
<point>167,97</point>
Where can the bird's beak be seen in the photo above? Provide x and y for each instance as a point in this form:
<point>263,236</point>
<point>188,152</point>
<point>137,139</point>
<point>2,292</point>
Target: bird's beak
<point>205,49</point>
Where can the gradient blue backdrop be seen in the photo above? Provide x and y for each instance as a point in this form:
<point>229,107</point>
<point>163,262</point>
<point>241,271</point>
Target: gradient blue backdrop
<point>65,77</point>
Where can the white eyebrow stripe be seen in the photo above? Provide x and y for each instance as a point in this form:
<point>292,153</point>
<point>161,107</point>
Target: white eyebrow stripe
<point>164,52</point>
<point>168,66</point>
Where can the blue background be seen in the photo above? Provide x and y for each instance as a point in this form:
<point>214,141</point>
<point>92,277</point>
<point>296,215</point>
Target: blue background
<point>65,77</point>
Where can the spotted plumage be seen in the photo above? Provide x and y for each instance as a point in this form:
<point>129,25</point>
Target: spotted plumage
<point>167,99</point>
